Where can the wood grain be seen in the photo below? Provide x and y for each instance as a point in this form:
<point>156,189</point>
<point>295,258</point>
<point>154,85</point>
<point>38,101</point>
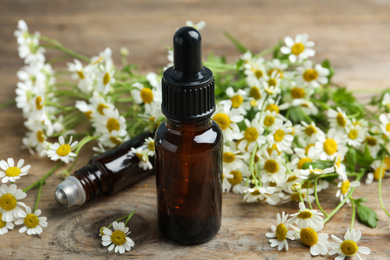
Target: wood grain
<point>354,35</point>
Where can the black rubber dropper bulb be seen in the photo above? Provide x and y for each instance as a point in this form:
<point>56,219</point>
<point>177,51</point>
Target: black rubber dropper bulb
<point>187,86</point>
<point>188,147</point>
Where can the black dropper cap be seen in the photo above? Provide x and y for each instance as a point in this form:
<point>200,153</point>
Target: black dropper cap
<point>187,87</point>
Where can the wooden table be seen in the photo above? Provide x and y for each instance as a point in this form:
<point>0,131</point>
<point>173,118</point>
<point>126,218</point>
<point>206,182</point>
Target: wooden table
<point>354,35</point>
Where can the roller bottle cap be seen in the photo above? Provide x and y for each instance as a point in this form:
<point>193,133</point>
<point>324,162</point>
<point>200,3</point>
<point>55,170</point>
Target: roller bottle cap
<point>187,86</point>
<point>70,192</point>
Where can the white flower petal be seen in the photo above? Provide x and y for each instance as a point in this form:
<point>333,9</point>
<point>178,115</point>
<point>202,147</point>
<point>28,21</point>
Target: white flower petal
<point>364,250</point>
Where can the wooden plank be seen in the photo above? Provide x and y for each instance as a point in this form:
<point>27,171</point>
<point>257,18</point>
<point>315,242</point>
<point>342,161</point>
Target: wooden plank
<point>353,35</point>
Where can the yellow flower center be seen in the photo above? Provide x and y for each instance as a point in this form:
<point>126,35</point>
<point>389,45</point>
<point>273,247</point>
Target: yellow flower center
<point>297,93</point>
<point>100,108</point>
<point>118,237</point>
<point>38,103</point>
<point>278,72</point>
<point>272,108</point>
<point>237,177</point>
<point>31,221</point>
<point>271,166</point>
<point>272,148</point>
<point>251,134</point>
<point>2,223</point>
<point>253,103</point>
<point>256,192</point>
<point>330,146</point>
<point>281,232</point>
<point>115,140</point>
<point>353,134</point>
<point>272,82</point>
<point>371,141</point>
<point>377,173</point>
<point>269,121</point>
<point>341,121</point>
<point>311,129</point>
<point>258,73</point>
<point>81,74</point>
<point>151,146</point>
<point>349,247</point>
<point>146,95</point>
<point>307,148</point>
<point>63,150</point>
<point>388,127</point>
<point>295,196</point>
<point>345,187</point>
<point>255,93</point>
<point>112,124</point>
<point>8,202</point>
<point>305,214</point>
<point>106,78</point>
<point>279,135</point>
<point>310,75</point>
<point>229,157</point>
<point>12,172</point>
<point>40,136</point>
<point>88,114</point>
<point>292,178</point>
<point>308,236</point>
<point>297,48</point>
<point>303,161</point>
<point>97,61</point>
<point>141,157</point>
<point>237,101</point>
<point>222,120</point>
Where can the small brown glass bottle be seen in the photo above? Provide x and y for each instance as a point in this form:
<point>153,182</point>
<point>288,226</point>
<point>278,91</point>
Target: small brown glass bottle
<point>188,147</point>
<point>104,175</point>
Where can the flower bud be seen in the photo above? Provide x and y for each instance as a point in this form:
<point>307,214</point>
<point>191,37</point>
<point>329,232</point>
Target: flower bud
<point>296,187</point>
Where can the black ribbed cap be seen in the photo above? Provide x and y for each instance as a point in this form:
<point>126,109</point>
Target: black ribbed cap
<point>187,87</point>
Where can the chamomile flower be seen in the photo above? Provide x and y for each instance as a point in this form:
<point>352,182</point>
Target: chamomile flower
<point>385,123</point>
<point>237,98</point>
<point>355,135</point>
<point>227,119</point>
<point>32,221</point>
<point>10,206</point>
<point>253,134</point>
<point>272,168</point>
<point>238,178</point>
<point>271,120</point>
<point>255,94</point>
<point>307,218</point>
<point>312,76</point>
<point>226,185</point>
<point>338,119</point>
<point>149,145</point>
<point>21,33</point>
<point>117,240</point>
<point>145,95</point>
<point>142,155</point>
<point>282,137</point>
<point>331,145</point>
<point>31,51</point>
<point>315,171</point>
<point>386,101</point>
<point>344,187</point>
<point>269,194</point>
<point>298,49</point>
<point>62,151</point>
<point>308,133</point>
<point>11,172</point>
<point>318,243</point>
<point>111,121</point>
<point>276,66</point>
<point>349,246</point>
<point>255,69</point>
<point>373,143</point>
<point>280,233</point>
<point>199,26</point>
<point>5,226</point>
<point>234,159</point>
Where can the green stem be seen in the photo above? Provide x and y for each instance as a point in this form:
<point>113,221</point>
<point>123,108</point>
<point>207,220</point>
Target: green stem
<point>300,197</point>
<point>251,164</point>
<point>39,195</point>
<point>7,103</point>
<point>380,189</point>
<point>307,195</point>
<point>80,145</point>
<point>127,217</point>
<point>316,196</point>
<point>47,175</point>
<point>353,214</point>
<point>62,48</point>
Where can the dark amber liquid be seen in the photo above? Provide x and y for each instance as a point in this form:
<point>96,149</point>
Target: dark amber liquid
<point>113,170</point>
<point>188,177</point>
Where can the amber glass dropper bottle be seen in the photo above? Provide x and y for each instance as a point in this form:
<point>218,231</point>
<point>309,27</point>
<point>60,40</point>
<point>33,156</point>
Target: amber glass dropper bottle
<point>104,175</point>
<point>188,147</point>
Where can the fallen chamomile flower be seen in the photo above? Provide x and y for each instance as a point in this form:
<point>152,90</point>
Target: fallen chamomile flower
<point>280,233</point>
<point>143,157</point>
<point>307,218</point>
<point>348,247</point>
<point>344,187</point>
<point>10,172</point>
<point>10,207</point>
<point>118,238</point>
<point>33,223</point>
<point>62,150</point>
<point>318,243</point>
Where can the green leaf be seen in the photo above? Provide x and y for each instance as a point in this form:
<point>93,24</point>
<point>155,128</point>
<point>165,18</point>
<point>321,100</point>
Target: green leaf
<point>326,64</point>
<point>318,165</point>
<point>365,158</point>
<point>351,159</point>
<point>366,215</point>
<point>358,201</point>
<point>238,44</point>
